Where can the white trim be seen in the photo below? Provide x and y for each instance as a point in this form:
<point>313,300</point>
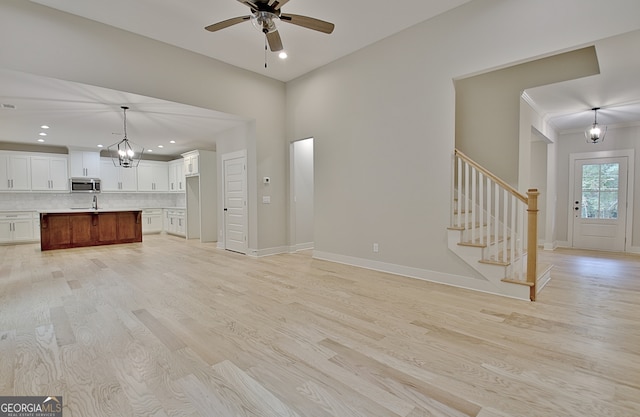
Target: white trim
<point>630,155</point>
<point>300,246</point>
<point>259,253</point>
<point>459,281</point>
<point>634,249</point>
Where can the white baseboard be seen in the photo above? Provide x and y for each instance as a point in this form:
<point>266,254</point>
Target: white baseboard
<point>259,253</point>
<point>459,281</point>
<point>634,249</point>
<point>300,246</point>
<point>566,244</point>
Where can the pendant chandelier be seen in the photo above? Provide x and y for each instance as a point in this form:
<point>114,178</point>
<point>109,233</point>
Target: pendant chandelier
<point>125,153</point>
<point>595,133</point>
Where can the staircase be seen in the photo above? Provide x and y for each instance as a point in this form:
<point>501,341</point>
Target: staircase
<point>492,228</point>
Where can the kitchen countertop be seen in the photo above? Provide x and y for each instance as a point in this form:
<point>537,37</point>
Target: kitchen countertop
<point>87,210</point>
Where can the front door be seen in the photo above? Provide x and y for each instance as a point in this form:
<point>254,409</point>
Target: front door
<point>235,204</point>
<point>600,203</point>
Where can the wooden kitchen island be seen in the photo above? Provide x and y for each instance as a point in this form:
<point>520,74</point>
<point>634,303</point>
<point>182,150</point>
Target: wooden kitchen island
<point>71,229</point>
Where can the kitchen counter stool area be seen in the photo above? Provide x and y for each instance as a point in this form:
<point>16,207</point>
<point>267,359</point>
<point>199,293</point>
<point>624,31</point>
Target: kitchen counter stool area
<point>62,230</point>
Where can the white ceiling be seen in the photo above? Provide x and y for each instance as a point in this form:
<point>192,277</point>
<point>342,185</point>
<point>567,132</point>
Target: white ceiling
<point>85,116</point>
<point>616,90</point>
<point>358,23</point>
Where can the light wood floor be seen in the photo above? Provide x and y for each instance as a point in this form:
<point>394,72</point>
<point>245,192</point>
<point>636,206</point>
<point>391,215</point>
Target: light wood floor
<point>175,328</point>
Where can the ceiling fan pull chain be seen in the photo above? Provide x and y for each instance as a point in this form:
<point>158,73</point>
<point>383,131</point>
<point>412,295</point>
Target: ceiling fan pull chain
<point>265,50</point>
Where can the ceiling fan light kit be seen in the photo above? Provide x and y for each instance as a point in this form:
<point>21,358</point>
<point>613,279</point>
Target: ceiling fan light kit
<point>265,13</point>
<point>596,132</point>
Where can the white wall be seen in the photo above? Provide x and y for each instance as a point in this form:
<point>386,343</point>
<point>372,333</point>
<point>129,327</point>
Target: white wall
<point>383,122</point>
<point>43,41</point>
<point>617,139</point>
<point>537,168</point>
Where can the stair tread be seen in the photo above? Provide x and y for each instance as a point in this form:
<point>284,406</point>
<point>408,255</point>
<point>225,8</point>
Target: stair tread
<point>493,262</point>
<point>467,226</point>
<point>515,281</point>
<point>473,244</point>
<point>477,243</point>
<point>541,270</point>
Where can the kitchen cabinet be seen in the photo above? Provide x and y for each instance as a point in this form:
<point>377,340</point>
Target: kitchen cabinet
<point>16,227</point>
<point>49,174</point>
<point>191,163</point>
<point>152,221</point>
<point>84,164</point>
<point>117,178</point>
<point>202,199</point>
<point>15,172</point>
<point>176,222</point>
<point>176,176</point>
<point>153,176</point>
<point>90,228</point>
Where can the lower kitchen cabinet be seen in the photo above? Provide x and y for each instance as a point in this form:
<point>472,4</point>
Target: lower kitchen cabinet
<point>176,223</point>
<point>151,221</point>
<point>16,227</point>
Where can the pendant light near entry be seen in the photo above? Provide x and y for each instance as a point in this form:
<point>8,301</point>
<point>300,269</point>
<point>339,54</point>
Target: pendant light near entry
<point>595,133</point>
<point>125,153</point>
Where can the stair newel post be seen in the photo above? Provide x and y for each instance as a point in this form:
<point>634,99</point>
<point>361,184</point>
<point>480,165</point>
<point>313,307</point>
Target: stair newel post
<point>532,239</point>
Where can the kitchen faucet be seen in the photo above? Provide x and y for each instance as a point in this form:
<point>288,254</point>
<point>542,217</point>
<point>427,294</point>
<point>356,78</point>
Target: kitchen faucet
<point>95,202</point>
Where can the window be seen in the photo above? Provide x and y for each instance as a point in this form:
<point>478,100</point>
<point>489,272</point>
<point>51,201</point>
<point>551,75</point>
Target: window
<point>600,184</point>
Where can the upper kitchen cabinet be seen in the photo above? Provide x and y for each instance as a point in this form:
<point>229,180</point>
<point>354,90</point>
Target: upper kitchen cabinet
<point>15,172</point>
<point>191,163</point>
<point>117,178</point>
<point>84,164</point>
<point>153,176</point>
<point>49,173</point>
<point>176,176</point>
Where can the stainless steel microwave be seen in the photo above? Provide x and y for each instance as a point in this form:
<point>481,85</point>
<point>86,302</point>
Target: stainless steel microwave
<point>85,185</point>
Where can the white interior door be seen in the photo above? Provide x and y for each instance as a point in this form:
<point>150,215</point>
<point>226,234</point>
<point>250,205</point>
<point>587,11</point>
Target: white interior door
<point>235,204</point>
<point>600,203</point>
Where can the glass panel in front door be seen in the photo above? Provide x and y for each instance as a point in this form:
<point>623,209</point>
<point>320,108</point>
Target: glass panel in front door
<point>600,183</point>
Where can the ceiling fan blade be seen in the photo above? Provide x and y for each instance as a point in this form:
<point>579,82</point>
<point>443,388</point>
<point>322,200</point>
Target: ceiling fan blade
<point>308,22</point>
<point>275,43</point>
<point>226,23</point>
<point>278,3</point>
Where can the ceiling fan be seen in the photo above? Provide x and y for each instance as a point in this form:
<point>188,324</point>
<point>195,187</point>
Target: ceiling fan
<point>264,13</point>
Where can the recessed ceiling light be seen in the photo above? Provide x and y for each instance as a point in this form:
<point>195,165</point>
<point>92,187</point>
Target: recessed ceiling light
<point>172,141</point>
<point>283,55</point>
<point>42,134</point>
<point>44,127</point>
<point>40,140</point>
<point>150,150</point>
<point>100,146</point>
<point>160,146</point>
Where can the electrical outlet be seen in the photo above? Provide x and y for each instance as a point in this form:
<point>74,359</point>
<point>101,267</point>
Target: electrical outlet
<point>375,248</point>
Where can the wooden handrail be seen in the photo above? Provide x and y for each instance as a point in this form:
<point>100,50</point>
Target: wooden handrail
<point>493,177</point>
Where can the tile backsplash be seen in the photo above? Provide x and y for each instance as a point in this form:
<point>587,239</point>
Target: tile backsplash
<point>55,201</point>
